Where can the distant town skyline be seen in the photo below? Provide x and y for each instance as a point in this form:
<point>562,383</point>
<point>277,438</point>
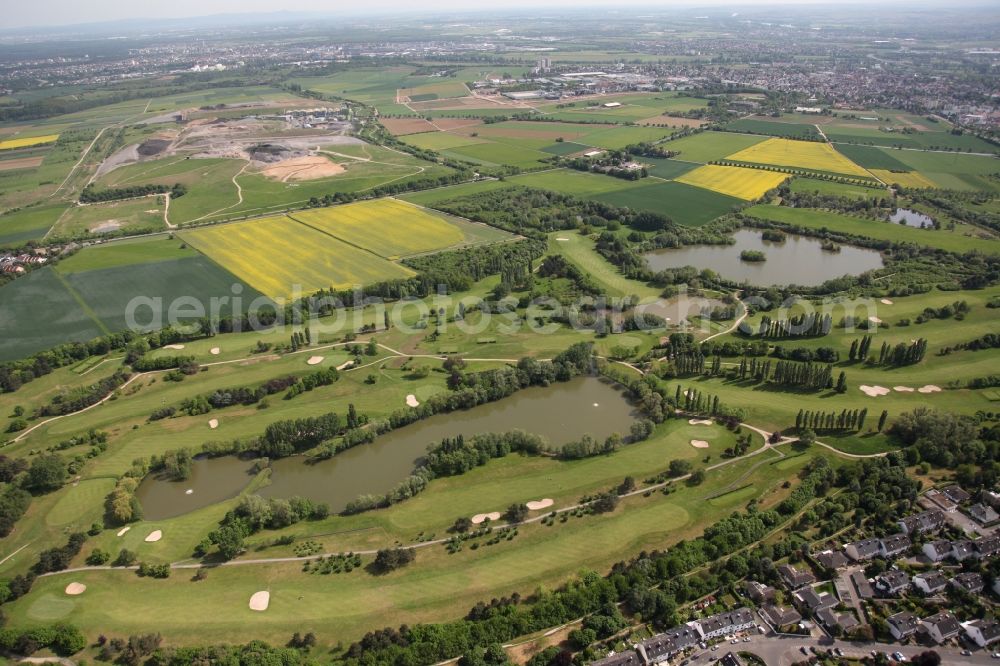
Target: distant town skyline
<point>53,13</point>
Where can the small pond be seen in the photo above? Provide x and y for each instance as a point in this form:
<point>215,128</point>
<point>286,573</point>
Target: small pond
<point>911,218</point>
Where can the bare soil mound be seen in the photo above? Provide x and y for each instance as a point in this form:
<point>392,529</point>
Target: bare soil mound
<point>309,167</point>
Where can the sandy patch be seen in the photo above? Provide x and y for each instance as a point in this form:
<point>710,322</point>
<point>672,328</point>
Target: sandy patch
<point>903,389</point>
<point>700,421</point>
<point>875,320</point>
<point>74,589</point>
<point>260,600</point>
<point>213,423</point>
<point>310,167</point>
<point>345,364</point>
<point>929,388</point>
<point>874,391</point>
<point>480,517</point>
<point>672,121</point>
<point>123,530</point>
<point>214,351</point>
<point>540,504</point>
<point>699,443</point>
<point>886,301</point>
<point>314,360</point>
<point>22,163</point>
<point>401,126</point>
<point>456,123</point>
<point>562,240</point>
<point>189,491</point>
<point>154,536</point>
<point>411,401</point>
<point>173,346</point>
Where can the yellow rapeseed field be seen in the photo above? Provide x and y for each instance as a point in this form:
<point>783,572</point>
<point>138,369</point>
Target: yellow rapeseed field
<point>802,154</point>
<point>388,227</point>
<point>274,254</point>
<point>738,182</point>
<point>10,144</point>
<point>908,179</point>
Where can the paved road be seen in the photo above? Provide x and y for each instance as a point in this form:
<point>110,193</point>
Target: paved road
<point>782,650</point>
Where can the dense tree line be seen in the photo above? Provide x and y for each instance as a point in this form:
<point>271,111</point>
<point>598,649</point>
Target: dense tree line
<point>804,325</point>
<point>847,419</point>
<point>255,513</point>
<point>813,376</point>
<point>90,194</point>
<point>987,341</point>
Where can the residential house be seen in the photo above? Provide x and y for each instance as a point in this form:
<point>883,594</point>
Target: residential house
<point>927,521</point>
<point>987,546</point>
<point>892,582</point>
<point>759,592</point>
<point>662,647</point>
<point>969,581</point>
<point>862,585</point>
<point>902,625</point>
<point>859,551</point>
<point>780,616</point>
<point>937,550</point>
<point>894,545</point>
<point>930,582</point>
<point>992,498</point>
<point>794,578</point>
<point>837,621</point>
<point>983,632</point>
<point>807,599</point>
<point>624,658</point>
<point>730,659</point>
<point>721,624</point>
<point>963,549</point>
<point>957,494</point>
<point>941,626</point>
<point>982,514</point>
<point>941,500</point>
<point>831,559</point>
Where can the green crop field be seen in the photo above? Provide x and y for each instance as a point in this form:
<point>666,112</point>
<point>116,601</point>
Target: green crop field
<point>575,183</point>
<point>667,169</point>
<point>28,224</point>
<point>127,217</point>
<point>813,185</point>
<point>786,130</point>
<point>817,219</point>
<point>916,140</point>
<point>871,158</point>
<point>685,204</point>
<point>709,146</point>
<point>125,253</point>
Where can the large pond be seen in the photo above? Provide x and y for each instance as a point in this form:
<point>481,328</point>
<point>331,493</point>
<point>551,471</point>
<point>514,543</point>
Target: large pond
<point>911,218</point>
<point>562,413</point>
<point>798,260</point>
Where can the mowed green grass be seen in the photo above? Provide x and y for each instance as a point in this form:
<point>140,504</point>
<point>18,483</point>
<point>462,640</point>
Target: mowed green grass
<point>132,216</point>
<point>667,169</point>
<point>709,146</point>
<point>572,182</point>
<point>281,257</point>
<point>439,194</point>
<point>685,204</point>
<point>28,224</point>
<point>814,186</point>
<point>817,219</point>
<point>126,253</point>
<point>786,130</point>
<point>580,250</point>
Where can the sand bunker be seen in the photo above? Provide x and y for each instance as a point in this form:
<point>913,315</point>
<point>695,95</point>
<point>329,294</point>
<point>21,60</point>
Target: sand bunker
<point>411,401</point>
<point>173,346</point>
<point>345,365</point>
<point>74,589</point>
<point>314,360</point>
<point>123,530</point>
<point>886,301</point>
<point>699,443</point>
<point>189,491</point>
<point>929,388</point>
<point>260,600</point>
<point>214,351</point>
<point>213,423</point>
<point>310,167</point>
<point>480,517</point>
<point>700,421</point>
<point>874,391</point>
<point>539,504</point>
<point>903,389</point>
<point>562,239</point>
<point>154,536</point>
<point>875,320</point>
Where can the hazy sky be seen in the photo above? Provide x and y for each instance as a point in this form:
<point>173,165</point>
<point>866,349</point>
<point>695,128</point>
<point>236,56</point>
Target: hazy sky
<point>63,12</point>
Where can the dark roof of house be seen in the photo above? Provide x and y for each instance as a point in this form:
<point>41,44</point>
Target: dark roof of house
<point>832,559</point>
<point>957,494</point>
<point>990,629</point>
<point>814,601</point>
<point>923,522</point>
<point>758,590</point>
<point>905,622</point>
<point>795,577</point>
<point>830,618</point>
<point>896,543</point>
<point>944,621</point>
<point>865,590</point>
<point>987,545</point>
<point>626,658</point>
<point>730,659</point>
<point>865,547</point>
<point>893,579</point>
<point>670,642</point>
<point>940,548</point>
<point>962,549</point>
<point>780,615</point>
<point>969,580</point>
<point>983,514</point>
<point>722,620</point>
<point>934,580</point>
